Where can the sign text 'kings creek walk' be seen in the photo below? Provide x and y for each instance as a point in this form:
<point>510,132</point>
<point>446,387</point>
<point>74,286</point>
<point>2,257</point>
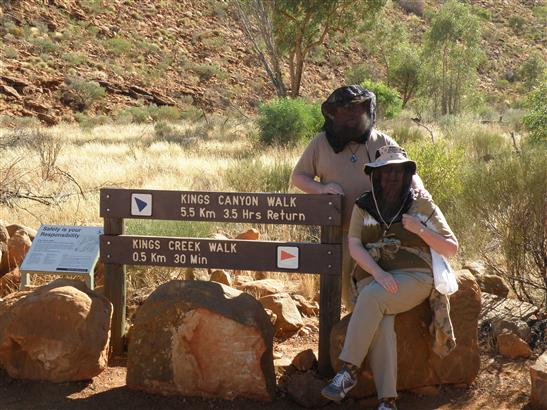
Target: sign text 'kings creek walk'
<point>118,250</point>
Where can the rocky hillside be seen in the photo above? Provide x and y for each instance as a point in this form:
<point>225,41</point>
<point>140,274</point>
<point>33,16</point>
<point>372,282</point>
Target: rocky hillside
<point>191,54</point>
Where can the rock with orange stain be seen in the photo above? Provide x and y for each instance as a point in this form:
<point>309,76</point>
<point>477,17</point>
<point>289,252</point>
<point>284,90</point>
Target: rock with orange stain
<point>57,332</point>
<point>203,339</point>
<point>250,234</point>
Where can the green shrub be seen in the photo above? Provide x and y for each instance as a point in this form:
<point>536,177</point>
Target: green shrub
<point>80,94</point>
<point>358,73</point>
<point>87,122</point>
<point>43,45</point>
<point>207,71</point>
<point>404,131</point>
<point>118,46</point>
<point>505,199</point>
<point>532,71</point>
<point>287,121</point>
<point>536,120</point>
<point>74,58</point>
<point>517,23</point>
<point>389,102</point>
<point>440,167</point>
<point>149,113</point>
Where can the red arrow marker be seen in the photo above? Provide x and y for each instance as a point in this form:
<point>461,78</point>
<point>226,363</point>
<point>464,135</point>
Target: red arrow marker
<point>286,255</point>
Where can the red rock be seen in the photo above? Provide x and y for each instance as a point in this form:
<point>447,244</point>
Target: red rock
<point>418,365</point>
<point>210,340</point>
<point>9,282</point>
<point>305,389</point>
<point>18,245</point>
<point>289,319</point>
<point>538,376</point>
<point>304,360</point>
<point>512,346</point>
<point>250,234</point>
<point>221,276</point>
<point>263,287</point>
<point>57,332</point>
<point>15,227</point>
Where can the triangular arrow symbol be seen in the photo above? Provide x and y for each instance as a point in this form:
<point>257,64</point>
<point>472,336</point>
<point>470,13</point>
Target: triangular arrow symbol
<point>140,204</point>
<point>286,255</point>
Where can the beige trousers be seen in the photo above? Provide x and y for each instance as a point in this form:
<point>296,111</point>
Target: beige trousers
<point>371,329</point>
<point>348,288</point>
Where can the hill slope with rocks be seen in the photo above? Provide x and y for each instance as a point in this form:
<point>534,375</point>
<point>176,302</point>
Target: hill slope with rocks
<point>192,55</point>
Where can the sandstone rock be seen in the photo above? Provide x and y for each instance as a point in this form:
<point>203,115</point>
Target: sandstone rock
<point>4,237</point>
<point>305,389</point>
<point>18,245</point>
<point>538,376</point>
<point>304,360</point>
<point>476,268</point>
<point>98,273</point>
<point>429,391</point>
<point>495,285</point>
<point>57,332</point>
<point>263,287</point>
<point>517,327</point>
<point>201,339</point>
<point>305,307</point>
<point>288,316</point>
<point>272,316</point>
<point>512,346</point>
<point>15,227</point>
<point>9,282</point>
<point>240,280</point>
<point>418,366</point>
<point>249,234</point>
<point>221,276</point>
<point>495,308</point>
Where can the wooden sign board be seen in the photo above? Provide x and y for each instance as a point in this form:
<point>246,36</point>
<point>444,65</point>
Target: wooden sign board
<point>294,209</point>
<point>222,254</point>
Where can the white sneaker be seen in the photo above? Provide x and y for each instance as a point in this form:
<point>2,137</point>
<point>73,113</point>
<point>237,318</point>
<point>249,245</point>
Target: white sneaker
<point>339,386</point>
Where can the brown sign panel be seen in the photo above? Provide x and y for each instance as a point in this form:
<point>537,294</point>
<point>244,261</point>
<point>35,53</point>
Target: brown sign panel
<point>221,254</point>
<point>294,209</point>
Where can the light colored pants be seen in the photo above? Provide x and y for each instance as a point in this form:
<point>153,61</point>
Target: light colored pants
<point>371,329</point>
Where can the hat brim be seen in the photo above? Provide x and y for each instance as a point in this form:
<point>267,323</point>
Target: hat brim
<point>378,164</point>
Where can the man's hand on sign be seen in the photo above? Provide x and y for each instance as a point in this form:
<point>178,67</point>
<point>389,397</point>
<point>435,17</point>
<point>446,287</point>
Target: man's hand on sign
<point>332,188</point>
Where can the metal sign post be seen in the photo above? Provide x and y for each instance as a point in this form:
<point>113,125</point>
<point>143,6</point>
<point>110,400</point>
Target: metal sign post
<point>325,258</point>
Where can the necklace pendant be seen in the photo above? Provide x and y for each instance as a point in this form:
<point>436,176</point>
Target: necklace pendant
<point>353,158</point>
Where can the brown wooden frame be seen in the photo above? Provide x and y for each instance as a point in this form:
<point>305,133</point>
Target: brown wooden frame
<point>304,209</point>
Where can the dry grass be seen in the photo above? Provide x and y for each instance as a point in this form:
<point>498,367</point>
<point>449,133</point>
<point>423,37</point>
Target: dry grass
<point>133,156</point>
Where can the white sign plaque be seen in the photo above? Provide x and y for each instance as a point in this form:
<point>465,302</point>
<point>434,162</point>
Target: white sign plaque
<point>287,257</point>
<point>63,249</point>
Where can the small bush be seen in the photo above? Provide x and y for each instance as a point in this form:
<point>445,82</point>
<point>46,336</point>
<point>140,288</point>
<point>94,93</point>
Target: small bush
<point>532,71</point>
<point>358,73</point>
<point>149,113</point>
<point>118,46</point>
<point>404,131</point>
<point>440,167</point>
<point>388,100</point>
<point>43,45</point>
<point>287,121</point>
<point>506,201</point>
<point>80,94</point>
<point>536,120</point>
<point>74,58</point>
<point>517,23</point>
<point>87,122</point>
<point>207,71</point>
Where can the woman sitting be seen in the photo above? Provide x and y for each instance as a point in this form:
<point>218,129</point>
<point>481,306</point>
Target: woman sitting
<point>391,235</point>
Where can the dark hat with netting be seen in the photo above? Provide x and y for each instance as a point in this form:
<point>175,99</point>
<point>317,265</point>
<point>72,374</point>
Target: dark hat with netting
<point>350,94</point>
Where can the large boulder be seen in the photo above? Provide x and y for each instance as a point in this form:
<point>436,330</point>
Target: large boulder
<point>9,282</point>
<point>57,332</point>
<point>289,319</point>
<point>417,364</point>
<point>202,339</point>
<point>263,287</point>
<point>538,376</point>
<point>18,245</point>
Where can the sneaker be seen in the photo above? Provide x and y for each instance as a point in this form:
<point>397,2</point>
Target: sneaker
<point>339,386</point>
<point>387,404</point>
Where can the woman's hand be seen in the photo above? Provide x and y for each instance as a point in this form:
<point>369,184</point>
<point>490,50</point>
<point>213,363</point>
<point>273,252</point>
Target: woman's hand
<point>412,224</point>
<point>387,281</point>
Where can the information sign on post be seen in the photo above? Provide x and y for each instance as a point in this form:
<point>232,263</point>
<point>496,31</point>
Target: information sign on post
<point>118,250</point>
<point>63,249</point>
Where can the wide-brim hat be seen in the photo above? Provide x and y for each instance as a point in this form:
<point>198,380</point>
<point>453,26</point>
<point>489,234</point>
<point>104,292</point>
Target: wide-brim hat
<point>390,154</point>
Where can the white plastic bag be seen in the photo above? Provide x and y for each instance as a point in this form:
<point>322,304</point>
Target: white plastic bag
<point>444,278</point>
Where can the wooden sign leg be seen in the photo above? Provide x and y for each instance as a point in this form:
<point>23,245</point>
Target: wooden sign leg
<point>329,303</point>
<point>115,290</point>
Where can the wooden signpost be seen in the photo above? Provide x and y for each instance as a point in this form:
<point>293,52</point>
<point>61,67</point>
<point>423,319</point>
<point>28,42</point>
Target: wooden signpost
<point>118,250</point>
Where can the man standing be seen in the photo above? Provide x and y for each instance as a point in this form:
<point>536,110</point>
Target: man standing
<point>337,155</point>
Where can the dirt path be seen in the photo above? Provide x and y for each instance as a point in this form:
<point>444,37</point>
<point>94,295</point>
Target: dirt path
<point>502,384</point>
